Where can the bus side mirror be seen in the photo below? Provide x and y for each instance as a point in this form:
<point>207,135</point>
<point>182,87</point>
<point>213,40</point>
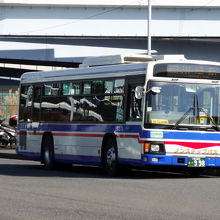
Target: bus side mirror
<point>139,92</point>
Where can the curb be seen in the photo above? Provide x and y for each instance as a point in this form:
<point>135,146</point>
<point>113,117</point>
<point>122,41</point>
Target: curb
<point>5,153</point>
<point>9,156</point>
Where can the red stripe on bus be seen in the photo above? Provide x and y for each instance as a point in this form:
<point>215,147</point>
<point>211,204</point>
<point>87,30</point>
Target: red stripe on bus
<point>194,145</point>
<point>84,135</point>
<point>126,136</point>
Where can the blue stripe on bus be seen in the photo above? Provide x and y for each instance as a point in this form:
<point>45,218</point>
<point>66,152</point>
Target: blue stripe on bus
<point>83,128</point>
<point>185,135</point>
<point>192,136</point>
<point>29,155</point>
<point>132,162</point>
<point>78,159</point>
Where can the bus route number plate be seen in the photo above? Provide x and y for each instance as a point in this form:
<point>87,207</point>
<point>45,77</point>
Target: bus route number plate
<point>196,162</point>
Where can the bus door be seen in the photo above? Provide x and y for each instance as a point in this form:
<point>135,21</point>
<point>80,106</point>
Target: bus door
<point>134,106</point>
<point>129,147</point>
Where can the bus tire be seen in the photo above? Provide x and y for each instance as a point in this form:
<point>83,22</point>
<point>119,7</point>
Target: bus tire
<point>110,157</point>
<point>48,152</point>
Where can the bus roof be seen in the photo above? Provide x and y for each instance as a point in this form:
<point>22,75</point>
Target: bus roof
<point>119,70</point>
<point>106,67</point>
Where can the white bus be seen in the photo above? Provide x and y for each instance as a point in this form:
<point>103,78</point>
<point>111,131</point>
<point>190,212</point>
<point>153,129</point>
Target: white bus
<point>159,111</point>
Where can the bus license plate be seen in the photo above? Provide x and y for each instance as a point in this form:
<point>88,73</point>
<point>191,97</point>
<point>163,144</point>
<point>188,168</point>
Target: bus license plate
<point>196,162</point>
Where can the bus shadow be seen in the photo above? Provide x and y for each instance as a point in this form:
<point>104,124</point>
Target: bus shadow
<point>80,171</point>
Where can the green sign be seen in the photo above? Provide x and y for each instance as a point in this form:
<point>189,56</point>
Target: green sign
<point>196,162</point>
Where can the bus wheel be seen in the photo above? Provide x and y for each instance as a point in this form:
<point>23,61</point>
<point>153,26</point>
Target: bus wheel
<point>48,152</point>
<point>111,158</point>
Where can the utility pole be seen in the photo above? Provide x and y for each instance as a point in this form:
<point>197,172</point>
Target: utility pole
<point>148,28</point>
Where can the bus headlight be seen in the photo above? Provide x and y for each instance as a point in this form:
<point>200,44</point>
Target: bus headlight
<point>154,148</point>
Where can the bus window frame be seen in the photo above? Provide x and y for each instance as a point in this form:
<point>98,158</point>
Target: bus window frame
<point>124,96</point>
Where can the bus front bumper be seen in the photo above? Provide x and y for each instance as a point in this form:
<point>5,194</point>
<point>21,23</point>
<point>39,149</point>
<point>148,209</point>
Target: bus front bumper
<point>154,159</point>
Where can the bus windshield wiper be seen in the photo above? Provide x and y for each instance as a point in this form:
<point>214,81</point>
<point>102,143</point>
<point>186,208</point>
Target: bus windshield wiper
<point>196,112</point>
<point>215,125</point>
<point>193,108</point>
<point>183,117</point>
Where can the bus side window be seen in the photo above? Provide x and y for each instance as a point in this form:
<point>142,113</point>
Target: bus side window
<point>26,98</point>
<point>36,103</point>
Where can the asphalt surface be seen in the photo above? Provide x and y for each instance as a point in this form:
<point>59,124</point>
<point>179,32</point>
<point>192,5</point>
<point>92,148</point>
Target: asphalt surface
<point>28,191</point>
<point>10,153</point>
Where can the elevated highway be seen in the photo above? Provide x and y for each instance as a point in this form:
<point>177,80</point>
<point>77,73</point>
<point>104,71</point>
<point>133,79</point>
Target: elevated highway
<point>65,31</point>
<point>40,35</point>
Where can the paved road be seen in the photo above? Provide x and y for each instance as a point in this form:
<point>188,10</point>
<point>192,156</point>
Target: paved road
<point>27,191</point>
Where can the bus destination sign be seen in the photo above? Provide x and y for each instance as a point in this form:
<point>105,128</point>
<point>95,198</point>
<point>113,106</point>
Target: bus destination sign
<point>185,70</point>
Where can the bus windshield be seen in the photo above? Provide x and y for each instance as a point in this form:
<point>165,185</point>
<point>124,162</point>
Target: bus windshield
<point>183,106</point>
